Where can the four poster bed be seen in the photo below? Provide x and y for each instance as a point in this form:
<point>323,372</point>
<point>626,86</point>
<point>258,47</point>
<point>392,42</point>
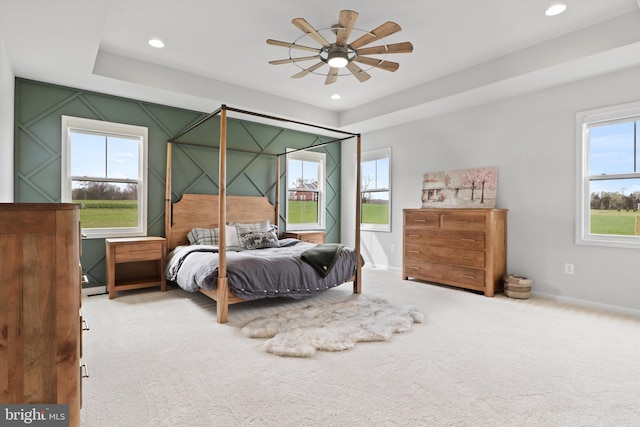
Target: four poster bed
<point>252,263</point>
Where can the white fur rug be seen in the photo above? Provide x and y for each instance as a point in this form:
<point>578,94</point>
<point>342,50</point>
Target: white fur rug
<point>332,327</point>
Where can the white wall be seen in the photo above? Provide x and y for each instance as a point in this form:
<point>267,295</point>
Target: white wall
<point>7,83</point>
<point>532,141</point>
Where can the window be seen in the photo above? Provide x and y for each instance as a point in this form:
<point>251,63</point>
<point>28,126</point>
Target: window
<point>305,190</point>
<point>609,176</point>
<point>375,190</point>
<point>104,166</point>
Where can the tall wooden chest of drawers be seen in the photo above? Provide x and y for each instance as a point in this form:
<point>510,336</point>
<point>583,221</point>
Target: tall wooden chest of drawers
<point>40,293</point>
<point>466,248</point>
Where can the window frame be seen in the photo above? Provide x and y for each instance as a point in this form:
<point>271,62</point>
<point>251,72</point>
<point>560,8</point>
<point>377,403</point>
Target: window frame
<point>584,121</point>
<point>313,156</point>
<point>70,124</point>
<point>366,156</point>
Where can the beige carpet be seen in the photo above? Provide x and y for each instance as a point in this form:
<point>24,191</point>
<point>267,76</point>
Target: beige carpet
<point>160,359</point>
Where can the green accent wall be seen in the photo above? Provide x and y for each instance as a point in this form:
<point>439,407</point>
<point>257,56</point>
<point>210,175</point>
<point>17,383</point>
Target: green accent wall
<point>38,110</point>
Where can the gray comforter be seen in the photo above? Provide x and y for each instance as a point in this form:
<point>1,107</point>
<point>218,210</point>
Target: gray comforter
<point>259,273</point>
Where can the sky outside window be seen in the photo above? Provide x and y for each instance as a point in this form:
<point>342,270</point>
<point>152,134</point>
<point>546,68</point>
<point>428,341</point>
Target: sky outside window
<point>306,170</point>
<point>375,175</point>
<point>612,150</point>
<point>103,156</point>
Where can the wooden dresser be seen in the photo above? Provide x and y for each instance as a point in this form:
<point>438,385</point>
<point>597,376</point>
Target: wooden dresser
<point>466,248</point>
<point>40,295</point>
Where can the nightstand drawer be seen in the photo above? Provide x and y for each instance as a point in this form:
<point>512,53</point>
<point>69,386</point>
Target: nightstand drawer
<point>316,237</point>
<point>139,251</point>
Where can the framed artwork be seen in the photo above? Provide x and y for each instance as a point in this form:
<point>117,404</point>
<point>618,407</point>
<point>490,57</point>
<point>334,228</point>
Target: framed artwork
<point>465,188</point>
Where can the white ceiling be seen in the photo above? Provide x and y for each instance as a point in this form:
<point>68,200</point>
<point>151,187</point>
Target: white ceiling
<point>466,52</point>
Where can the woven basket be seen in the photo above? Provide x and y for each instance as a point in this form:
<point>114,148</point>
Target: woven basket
<point>517,286</point>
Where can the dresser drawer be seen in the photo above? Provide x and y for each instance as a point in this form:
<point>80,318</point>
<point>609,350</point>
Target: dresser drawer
<point>422,220</point>
<point>445,238</point>
<point>462,221</point>
<point>447,274</point>
<point>451,256</point>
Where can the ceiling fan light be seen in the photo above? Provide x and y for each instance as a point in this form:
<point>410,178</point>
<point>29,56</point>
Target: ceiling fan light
<point>338,58</point>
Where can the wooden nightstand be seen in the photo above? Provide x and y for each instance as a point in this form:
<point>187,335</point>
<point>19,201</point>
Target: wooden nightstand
<point>306,236</point>
<point>136,262</point>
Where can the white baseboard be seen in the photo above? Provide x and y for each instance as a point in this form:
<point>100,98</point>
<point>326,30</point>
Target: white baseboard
<point>381,267</point>
<point>574,301</point>
<point>589,304</point>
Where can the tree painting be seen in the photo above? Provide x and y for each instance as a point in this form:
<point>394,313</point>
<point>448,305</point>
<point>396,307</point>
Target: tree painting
<point>466,188</point>
<point>484,178</point>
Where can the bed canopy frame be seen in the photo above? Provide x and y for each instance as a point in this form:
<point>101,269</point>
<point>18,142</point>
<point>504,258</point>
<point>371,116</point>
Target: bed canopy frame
<point>222,295</point>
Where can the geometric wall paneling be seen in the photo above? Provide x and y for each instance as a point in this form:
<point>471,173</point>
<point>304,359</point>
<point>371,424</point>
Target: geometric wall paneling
<point>39,107</point>
<point>93,261</point>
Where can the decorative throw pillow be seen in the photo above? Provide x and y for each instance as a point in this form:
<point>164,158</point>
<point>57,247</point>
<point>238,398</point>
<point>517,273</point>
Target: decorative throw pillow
<point>204,236</point>
<point>253,227</point>
<point>260,240</point>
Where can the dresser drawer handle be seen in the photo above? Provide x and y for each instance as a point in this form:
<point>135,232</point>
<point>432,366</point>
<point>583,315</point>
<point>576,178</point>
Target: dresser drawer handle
<point>468,240</point>
<point>414,268</point>
<point>419,220</point>
<point>414,235</point>
<point>84,372</point>
<point>467,276</point>
<point>414,252</point>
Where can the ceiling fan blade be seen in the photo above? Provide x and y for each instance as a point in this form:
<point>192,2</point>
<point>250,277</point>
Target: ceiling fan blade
<point>332,77</point>
<point>404,47</point>
<point>383,30</point>
<point>292,45</point>
<point>346,22</point>
<point>378,63</point>
<point>308,29</point>
<point>358,72</point>
<point>290,60</point>
<point>308,70</point>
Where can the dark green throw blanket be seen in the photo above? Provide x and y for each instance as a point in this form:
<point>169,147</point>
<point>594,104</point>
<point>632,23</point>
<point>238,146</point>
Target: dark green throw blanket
<point>322,257</point>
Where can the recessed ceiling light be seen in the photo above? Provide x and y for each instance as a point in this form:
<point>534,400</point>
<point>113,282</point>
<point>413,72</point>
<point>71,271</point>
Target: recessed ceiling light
<point>555,9</point>
<point>335,96</point>
<point>156,43</point>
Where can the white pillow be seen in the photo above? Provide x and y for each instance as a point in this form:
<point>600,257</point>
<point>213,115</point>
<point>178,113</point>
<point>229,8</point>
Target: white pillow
<point>232,236</point>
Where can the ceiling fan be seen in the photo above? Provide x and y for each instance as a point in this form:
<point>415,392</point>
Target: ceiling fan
<point>341,53</point>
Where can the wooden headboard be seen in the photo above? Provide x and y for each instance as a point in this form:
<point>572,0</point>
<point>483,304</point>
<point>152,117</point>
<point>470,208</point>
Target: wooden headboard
<point>201,210</point>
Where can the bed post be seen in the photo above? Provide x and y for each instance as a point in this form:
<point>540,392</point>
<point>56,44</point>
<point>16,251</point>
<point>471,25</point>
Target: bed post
<point>357,284</point>
<point>167,199</point>
<point>277,201</point>
<point>222,303</point>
